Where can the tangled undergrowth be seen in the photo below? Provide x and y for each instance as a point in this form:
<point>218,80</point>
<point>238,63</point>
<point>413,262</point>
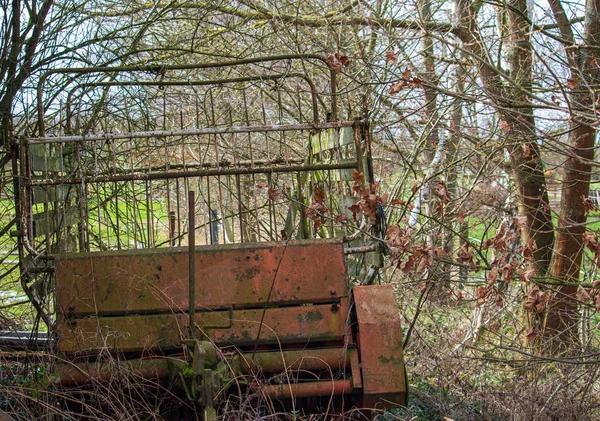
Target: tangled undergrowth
<point>464,362</point>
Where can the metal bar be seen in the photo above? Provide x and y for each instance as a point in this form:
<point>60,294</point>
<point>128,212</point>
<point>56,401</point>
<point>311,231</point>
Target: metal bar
<point>23,340</point>
<point>192,258</point>
<point>194,173</point>
<point>163,67</point>
<point>305,359</point>
<point>189,132</point>
<point>154,368</point>
<point>305,390</point>
<point>162,83</point>
<point>359,250</point>
<point>159,69</point>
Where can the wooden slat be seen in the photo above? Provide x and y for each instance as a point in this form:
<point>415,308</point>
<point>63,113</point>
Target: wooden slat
<point>43,194</point>
<point>299,324</point>
<point>328,139</point>
<point>238,276</point>
<point>45,158</point>
<point>54,220</point>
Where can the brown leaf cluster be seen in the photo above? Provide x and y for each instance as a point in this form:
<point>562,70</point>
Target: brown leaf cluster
<point>441,191</point>
<point>336,62</point>
<point>589,204</point>
<point>408,257</point>
<point>405,81</point>
<point>501,241</point>
<point>465,255</point>
<point>317,210</point>
<point>482,294</point>
<point>590,294</point>
<point>369,200</point>
<point>271,192</point>
<point>536,299</point>
<point>590,239</point>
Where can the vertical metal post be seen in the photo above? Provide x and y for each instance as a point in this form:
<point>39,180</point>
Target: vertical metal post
<point>192,259</point>
<point>171,228</point>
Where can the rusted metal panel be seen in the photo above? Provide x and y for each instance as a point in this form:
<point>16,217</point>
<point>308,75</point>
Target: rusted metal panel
<point>382,360</point>
<point>307,360</point>
<point>301,324</point>
<point>238,276</point>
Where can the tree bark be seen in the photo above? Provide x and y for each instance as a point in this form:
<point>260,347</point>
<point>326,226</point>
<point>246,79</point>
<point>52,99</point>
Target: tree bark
<point>562,316</point>
<point>515,110</point>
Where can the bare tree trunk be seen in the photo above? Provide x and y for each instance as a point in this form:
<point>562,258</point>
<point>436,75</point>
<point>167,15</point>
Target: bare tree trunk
<point>452,151</point>
<point>15,70</point>
<point>515,112</point>
<point>436,273</point>
<point>562,316</point>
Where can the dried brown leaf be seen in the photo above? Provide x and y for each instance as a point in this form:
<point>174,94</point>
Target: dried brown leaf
<point>504,125</point>
<point>341,218</point>
<point>460,216</point>
<point>391,56</point>
<point>572,83</point>
<point>336,61</point>
<point>583,294</point>
<point>273,194</point>
<point>493,275</point>
<point>397,86</point>
<point>416,82</point>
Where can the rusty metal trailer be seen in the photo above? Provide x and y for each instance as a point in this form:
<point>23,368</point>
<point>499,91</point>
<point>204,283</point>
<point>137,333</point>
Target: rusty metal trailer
<point>192,220</point>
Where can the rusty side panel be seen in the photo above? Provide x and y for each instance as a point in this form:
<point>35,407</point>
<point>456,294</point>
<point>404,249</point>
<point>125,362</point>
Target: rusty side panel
<point>382,360</point>
<point>279,361</point>
<point>238,276</point>
<point>301,324</point>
